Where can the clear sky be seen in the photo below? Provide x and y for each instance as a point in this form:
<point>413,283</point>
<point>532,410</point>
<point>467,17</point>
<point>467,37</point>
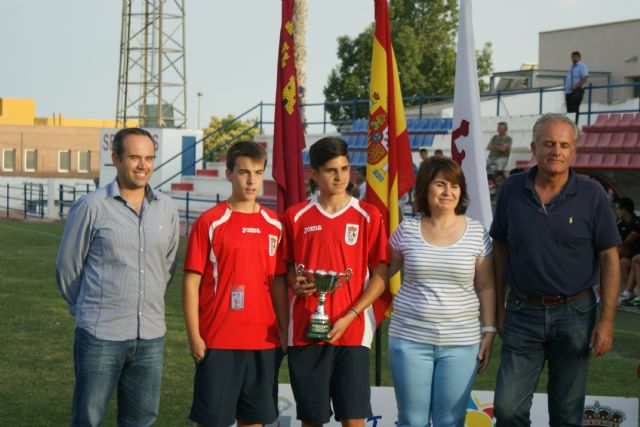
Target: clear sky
<point>65,53</point>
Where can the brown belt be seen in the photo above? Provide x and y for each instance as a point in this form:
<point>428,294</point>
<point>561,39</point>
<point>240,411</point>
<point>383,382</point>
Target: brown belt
<point>549,300</point>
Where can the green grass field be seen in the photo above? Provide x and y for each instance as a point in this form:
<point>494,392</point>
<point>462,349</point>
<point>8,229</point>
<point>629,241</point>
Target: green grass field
<point>36,338</point>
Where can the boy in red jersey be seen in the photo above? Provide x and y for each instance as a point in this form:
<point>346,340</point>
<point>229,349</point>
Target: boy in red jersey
<point>334,232</point>
<point>235,300</point>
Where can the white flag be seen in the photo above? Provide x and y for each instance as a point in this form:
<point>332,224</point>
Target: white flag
<point>467,145</point>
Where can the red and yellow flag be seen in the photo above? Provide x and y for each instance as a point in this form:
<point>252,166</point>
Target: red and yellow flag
<point>389,163</point>
<point>288,134</point>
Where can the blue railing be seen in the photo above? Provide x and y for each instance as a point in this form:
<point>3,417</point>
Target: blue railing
<point>419,101</point>
<point>67,195</point>
<point>28,200</point>
<point>212,133</point>
<point>219,148</point>
<point>422,101</point>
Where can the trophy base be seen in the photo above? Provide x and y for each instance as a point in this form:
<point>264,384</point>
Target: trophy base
<point>318,330</point>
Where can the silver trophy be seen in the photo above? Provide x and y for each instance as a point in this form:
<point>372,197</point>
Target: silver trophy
<point>325,282</point>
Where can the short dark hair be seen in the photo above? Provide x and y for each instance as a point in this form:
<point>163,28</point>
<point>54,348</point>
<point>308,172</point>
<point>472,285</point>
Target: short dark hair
<point>506,126</point>
<point>326,149</point>
<point>423,150</point>
<point>117,145</point>
<point>575,52</point>
<point>427,173</point>
<point>626,204</point>
<point>245,149</point>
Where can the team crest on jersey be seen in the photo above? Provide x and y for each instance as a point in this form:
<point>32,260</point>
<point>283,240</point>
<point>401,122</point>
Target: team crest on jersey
<point>351,234</point>
<point>273,244</point>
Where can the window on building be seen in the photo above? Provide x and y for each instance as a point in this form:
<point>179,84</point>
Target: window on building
<point>8,160</point>
<point>30,160</point>
<point>64,160</point>
<point>84,161</point>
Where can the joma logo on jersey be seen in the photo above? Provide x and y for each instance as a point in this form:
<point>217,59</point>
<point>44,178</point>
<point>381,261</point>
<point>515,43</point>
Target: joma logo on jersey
<point>251,230</point>
<point>312,228</point>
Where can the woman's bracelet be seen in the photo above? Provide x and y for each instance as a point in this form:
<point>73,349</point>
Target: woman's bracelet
<point>355,313</point>
<point>488,330</point>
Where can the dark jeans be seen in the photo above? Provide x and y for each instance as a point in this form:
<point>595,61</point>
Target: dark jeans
<point>535,334</point>
<point>134,366</point>
<point>573,101</point>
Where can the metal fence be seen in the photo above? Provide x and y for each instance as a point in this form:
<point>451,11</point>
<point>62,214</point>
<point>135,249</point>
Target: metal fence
<point>33,200</point>
<point>68,194</point>
<point>318,113</point>
<point>28,200</point>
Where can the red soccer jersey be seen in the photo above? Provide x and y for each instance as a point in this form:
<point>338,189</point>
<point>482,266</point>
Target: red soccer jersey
<point>353,237</point>
<point>237,255</point>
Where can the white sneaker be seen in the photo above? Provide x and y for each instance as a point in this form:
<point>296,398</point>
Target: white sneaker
<point>625,297</point>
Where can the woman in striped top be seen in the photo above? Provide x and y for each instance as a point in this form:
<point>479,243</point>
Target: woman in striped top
<point>436,342</point>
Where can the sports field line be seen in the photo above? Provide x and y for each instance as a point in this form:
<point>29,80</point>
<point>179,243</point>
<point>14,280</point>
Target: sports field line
<point>43,233</point>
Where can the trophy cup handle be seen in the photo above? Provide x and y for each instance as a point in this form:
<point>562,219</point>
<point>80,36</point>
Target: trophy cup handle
<point>343,278</point>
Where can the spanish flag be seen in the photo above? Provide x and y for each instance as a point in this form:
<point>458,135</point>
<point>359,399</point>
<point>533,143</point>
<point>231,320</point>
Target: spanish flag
<point>389,164</point>
<point>288,134</point>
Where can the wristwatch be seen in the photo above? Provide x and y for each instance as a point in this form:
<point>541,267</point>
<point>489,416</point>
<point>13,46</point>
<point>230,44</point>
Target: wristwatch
<point>488,330</point>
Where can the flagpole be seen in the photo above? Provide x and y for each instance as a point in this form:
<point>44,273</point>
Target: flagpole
<point>389,161</point>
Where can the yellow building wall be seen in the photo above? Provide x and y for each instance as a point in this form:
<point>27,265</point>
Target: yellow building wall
<point>17,112</point>
<point>22,112</point>
<point>59,120</point>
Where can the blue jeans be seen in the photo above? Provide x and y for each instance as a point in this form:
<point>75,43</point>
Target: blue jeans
<point>534,334</point>
<point>135,366</point>
<point>432,381</point>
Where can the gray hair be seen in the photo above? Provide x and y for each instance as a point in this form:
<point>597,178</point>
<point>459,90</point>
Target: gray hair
<point>556,118</point>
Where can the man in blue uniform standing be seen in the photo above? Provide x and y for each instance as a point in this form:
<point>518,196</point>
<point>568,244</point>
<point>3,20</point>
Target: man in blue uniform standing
<point>577,77</point>
<point>555,238</point>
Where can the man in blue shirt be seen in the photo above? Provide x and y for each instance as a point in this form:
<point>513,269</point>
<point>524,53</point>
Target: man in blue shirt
<point>555,238</point>
<point>116,258</point>
<point>577,77</point>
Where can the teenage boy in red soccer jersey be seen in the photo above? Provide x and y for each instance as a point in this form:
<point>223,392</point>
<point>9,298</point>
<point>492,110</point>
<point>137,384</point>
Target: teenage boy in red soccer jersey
<point>235,300</point>
<point>332,233</point>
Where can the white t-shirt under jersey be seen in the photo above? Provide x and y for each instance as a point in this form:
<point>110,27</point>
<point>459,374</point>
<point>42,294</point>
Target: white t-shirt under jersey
<point>437,303</point>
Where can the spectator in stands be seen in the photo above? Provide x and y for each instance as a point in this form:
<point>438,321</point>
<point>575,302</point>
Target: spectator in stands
<point>629,229</point>
<point>555,238</point>
<point>497,178</point>
<point>312,189</point>
<point>235,310</point>
<point>443,323</point>
<point>424,154</point>
<point>499,149</point>
<point>360,182</point>
<point>438,153</point>
<point>116,259</point>
<point>577,77</point>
